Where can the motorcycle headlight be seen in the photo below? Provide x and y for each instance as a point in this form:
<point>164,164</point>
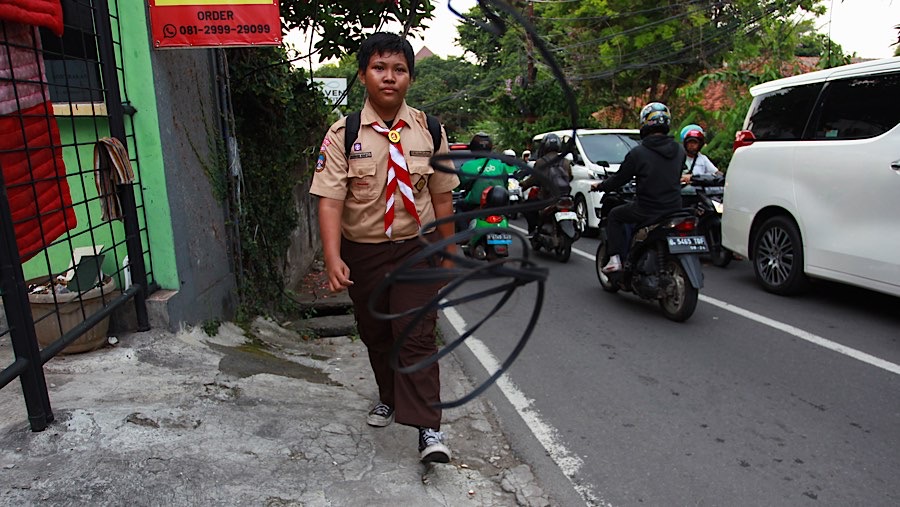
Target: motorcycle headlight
<point>512,184</point>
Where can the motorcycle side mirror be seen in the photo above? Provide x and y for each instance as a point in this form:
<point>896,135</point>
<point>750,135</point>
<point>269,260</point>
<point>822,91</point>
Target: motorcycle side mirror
<point>603,163</point>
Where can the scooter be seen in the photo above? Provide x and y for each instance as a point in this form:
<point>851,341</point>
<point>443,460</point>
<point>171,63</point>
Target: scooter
<point>490,238</point>
<point>708,207</point>
<point>662,262</point>
<point>558,228</point>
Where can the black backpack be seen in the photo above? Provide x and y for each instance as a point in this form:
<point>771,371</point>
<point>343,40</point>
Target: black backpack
<point>353,123</point>
<point>557,174</point>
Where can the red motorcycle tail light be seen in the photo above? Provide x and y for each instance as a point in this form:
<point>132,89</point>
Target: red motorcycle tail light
<point>494,219</point>
<point>686,225</point>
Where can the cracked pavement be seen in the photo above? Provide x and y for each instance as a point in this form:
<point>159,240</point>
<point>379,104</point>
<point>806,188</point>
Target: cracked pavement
<point>267,419</point>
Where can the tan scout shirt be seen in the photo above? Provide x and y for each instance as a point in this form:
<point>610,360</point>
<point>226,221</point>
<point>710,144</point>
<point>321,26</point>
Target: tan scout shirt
<point>361,181</point>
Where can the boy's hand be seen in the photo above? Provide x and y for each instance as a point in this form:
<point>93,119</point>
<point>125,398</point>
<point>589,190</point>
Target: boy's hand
<point>338,276</point>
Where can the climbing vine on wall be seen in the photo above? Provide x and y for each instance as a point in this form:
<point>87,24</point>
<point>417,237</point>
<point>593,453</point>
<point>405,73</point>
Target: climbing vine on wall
<point>279,120</point>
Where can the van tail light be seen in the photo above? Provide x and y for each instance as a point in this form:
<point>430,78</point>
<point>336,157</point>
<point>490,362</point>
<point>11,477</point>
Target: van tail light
<point>743,138</point>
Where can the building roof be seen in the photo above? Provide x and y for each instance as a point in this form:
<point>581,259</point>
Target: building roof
<point>423,53</point>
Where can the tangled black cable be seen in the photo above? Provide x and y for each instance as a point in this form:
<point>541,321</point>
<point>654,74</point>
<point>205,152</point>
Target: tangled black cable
<point>511,273</point>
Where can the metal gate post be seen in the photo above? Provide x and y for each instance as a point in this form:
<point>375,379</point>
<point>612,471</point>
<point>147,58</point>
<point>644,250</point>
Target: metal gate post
<point>116,111</point>
<point>21,324</point>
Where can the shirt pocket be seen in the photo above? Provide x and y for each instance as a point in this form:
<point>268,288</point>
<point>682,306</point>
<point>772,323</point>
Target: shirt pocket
<point>361,174</point>
<point>420,172</point>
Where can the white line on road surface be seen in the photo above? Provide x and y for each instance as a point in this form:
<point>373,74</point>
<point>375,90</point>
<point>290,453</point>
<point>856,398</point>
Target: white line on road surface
<point>787,328</point>
<point>568,463</point>
<point>805,335</point>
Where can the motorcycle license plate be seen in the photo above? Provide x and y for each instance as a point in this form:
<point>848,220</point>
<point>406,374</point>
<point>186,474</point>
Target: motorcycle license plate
<point>498,238</point>
<point>687,244</point>
<point>566,215</point>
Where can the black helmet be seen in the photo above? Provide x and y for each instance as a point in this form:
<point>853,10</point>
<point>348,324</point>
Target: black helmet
<point>481,142</point>
<point>552,143</point>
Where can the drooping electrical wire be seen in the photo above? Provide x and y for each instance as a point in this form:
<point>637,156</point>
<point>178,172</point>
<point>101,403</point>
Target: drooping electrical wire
<point>510,273</point>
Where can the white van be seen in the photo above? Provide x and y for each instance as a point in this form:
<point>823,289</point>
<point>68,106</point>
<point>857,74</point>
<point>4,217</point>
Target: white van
<point>592,146</point>
<point>813,188</point>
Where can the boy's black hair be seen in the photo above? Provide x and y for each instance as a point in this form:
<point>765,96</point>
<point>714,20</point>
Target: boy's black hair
<point>385,42</point>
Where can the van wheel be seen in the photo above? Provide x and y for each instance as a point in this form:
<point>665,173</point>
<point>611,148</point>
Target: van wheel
<point>778,257</point>
<point>581,210</point>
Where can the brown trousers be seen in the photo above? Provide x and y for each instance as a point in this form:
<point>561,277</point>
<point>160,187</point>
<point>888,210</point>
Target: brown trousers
<point>412,395</point>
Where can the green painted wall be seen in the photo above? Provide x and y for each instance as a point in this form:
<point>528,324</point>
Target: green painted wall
<point>78,135</point>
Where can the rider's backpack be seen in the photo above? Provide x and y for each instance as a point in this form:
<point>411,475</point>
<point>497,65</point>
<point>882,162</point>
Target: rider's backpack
<point>559,177</point>
<point>351,132</point>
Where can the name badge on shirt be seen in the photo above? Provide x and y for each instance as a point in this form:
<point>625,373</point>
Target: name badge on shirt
<point>414,153</point>
<point>365,154</point>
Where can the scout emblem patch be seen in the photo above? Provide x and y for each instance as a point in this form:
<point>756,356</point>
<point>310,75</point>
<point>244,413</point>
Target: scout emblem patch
<point>320,162</point>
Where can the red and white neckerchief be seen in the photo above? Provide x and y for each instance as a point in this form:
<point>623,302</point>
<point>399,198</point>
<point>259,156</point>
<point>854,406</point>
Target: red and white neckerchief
<point>397,177</point>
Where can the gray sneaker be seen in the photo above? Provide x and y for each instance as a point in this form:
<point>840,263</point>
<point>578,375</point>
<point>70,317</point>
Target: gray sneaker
<point>431,446</point>
<point>380,416</point>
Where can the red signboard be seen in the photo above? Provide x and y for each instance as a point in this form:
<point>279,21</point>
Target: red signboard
<point>214,23</point>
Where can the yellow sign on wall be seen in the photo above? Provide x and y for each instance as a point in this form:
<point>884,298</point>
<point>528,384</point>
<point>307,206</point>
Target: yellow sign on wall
<point>162,3</point>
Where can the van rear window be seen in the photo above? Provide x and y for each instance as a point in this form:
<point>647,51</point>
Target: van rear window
<point>859,108</point>
<point>782,115</point>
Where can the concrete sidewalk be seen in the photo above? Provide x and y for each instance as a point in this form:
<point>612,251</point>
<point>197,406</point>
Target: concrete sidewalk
<point>259,418</point>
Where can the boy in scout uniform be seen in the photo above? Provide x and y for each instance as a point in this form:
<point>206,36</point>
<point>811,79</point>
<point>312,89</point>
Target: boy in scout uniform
<point>372,203</point>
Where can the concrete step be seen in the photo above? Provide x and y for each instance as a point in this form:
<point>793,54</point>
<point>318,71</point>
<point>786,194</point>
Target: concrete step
<point>326,326</point>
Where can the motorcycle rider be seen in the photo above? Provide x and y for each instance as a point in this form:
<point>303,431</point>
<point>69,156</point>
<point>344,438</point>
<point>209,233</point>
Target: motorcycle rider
<point>478,174</point>
<point>693,138</point>
<point>553,168</point>
<point>656,164</point>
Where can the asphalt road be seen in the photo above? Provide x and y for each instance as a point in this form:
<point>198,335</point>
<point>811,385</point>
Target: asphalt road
<point>756,400</point>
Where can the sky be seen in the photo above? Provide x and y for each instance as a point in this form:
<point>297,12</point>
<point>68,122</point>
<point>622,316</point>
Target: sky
<point>861,26</point>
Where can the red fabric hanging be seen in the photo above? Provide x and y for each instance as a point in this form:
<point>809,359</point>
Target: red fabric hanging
<point>45,13</point>
<point>35,177</point>
<point>30,148</point>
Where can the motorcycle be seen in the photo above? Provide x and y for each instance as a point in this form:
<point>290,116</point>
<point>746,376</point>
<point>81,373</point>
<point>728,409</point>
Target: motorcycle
<point>515,196</point>
<point>491,237</point>
<point>662,262</point>
<point>707,205</point>
<point>558,228</point>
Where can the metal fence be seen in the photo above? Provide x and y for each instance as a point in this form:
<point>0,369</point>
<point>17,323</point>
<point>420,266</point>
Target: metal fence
<point>72,219</point>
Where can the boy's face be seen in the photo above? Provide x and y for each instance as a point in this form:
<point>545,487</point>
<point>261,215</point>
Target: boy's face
<point>692,146</point>
<point>386,79</point>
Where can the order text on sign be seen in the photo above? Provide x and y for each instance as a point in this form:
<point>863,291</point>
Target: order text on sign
<point>214,23</point>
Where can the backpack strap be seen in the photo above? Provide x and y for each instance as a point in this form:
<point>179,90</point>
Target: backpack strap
<point>351,131</point>
<point>434,127</point>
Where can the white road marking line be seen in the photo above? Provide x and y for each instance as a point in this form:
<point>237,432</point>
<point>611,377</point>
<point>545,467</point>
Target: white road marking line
<point>547,435</point>
<point>791,330</point>
<point>805,335</point>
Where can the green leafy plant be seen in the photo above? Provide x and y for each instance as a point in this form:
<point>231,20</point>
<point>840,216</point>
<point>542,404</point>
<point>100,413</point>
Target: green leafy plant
<point>211,327</point>
<point>280,118</point>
